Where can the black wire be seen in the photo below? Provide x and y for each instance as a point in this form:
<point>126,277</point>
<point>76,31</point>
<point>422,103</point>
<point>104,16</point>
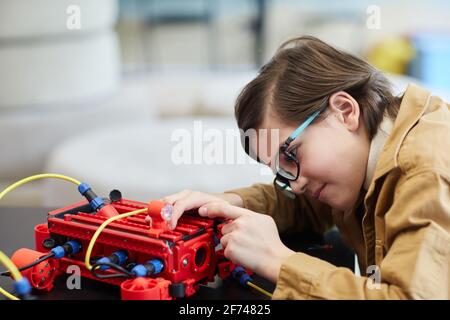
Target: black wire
<point>30,265</point>
<point>109,276</point>
<point>123,273</point>
<point>115,266</point>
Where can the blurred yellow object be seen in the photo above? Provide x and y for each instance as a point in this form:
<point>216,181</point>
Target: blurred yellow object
<point>14,272</point>
<point>392,54</point>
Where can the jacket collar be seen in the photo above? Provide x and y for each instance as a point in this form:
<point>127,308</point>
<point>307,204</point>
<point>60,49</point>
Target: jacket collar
<point>412,107</point>
<point>377,144</point>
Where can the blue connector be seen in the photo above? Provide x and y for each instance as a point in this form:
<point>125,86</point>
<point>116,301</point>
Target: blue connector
<point>151,267</point>
<point>22,287</point>
<point>104,260</point>
<point>244,279</point>
<point>157,264</point>
<point>86,191</point>
<point>241,275</point>
<point>97,203</point>
<point>237,271</point>
<point>70,247</point>
<point>83,188</point>
<point>118,257</point>
<point>139,270</point>
<point>58,252</point>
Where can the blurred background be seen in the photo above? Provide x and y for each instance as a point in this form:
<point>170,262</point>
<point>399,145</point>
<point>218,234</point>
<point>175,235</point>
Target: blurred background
<point>95,88</point>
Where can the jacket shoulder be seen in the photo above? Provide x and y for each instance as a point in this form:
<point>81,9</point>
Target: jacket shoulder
<point>427,145</point>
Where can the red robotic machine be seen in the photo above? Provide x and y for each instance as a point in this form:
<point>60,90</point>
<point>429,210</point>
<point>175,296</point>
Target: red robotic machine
<point>139,253</point>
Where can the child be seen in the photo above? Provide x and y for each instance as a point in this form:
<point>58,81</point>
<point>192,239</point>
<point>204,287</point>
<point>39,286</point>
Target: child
<point>375,165</point>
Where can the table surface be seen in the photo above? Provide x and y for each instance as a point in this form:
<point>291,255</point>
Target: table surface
<point>17,231</point>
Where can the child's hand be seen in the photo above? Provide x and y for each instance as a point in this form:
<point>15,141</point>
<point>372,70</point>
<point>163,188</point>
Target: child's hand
<point>251,239</point>
<point>187,200</point>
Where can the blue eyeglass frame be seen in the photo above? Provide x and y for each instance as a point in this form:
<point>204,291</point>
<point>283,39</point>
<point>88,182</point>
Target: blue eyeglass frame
<point>282,181</point>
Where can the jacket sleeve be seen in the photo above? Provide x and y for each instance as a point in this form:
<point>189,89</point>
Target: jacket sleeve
<point>417,259</point>
<point>290,215</point>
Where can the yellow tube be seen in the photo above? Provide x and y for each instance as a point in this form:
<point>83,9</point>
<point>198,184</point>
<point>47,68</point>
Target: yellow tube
<point>37,177</point>
<point>14,272</point>
<point>100,229</point>
<point>254,286</point>
<point>3,258</point>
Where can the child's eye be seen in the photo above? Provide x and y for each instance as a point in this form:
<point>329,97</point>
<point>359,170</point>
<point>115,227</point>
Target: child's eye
<point>287,158</point>
<point>293,150</point>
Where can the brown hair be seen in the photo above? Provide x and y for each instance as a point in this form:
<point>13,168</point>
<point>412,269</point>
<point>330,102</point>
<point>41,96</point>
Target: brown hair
<point>302,76</point>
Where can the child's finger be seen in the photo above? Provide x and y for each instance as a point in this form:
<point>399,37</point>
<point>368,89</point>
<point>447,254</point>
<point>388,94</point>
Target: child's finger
<point>179,208</point>
<point>222,209</point>
<point>227,228</point>
<point>189,201</point>
<point>224,240</point>
<point>175,197</point>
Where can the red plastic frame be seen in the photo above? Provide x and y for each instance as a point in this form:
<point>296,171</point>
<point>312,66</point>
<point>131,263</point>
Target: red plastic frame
<point>188,252</point>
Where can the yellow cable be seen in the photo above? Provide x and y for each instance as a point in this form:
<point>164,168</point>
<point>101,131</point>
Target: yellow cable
<point>100,229</point>
<point>10,266</point>
<point>37,177</point>
<point>254,286</point>
<point>3,258</point>
<point>7,294</point>
<point>14,272</point>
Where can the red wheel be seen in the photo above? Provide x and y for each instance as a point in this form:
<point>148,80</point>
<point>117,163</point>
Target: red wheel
<point>145,289</point>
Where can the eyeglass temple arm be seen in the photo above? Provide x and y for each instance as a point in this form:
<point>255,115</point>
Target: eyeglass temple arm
<point>302,127</point>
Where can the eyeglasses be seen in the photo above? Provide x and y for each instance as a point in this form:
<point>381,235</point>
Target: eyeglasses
<point>287,166</point>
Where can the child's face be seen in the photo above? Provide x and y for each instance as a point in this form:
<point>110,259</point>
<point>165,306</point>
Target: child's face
<point>333,153</point>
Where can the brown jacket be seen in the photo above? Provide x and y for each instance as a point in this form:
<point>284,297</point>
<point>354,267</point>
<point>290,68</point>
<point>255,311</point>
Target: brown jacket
<point>400,228</point>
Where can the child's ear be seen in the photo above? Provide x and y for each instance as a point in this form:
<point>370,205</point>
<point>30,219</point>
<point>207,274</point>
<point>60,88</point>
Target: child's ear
<point>346,109</point>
